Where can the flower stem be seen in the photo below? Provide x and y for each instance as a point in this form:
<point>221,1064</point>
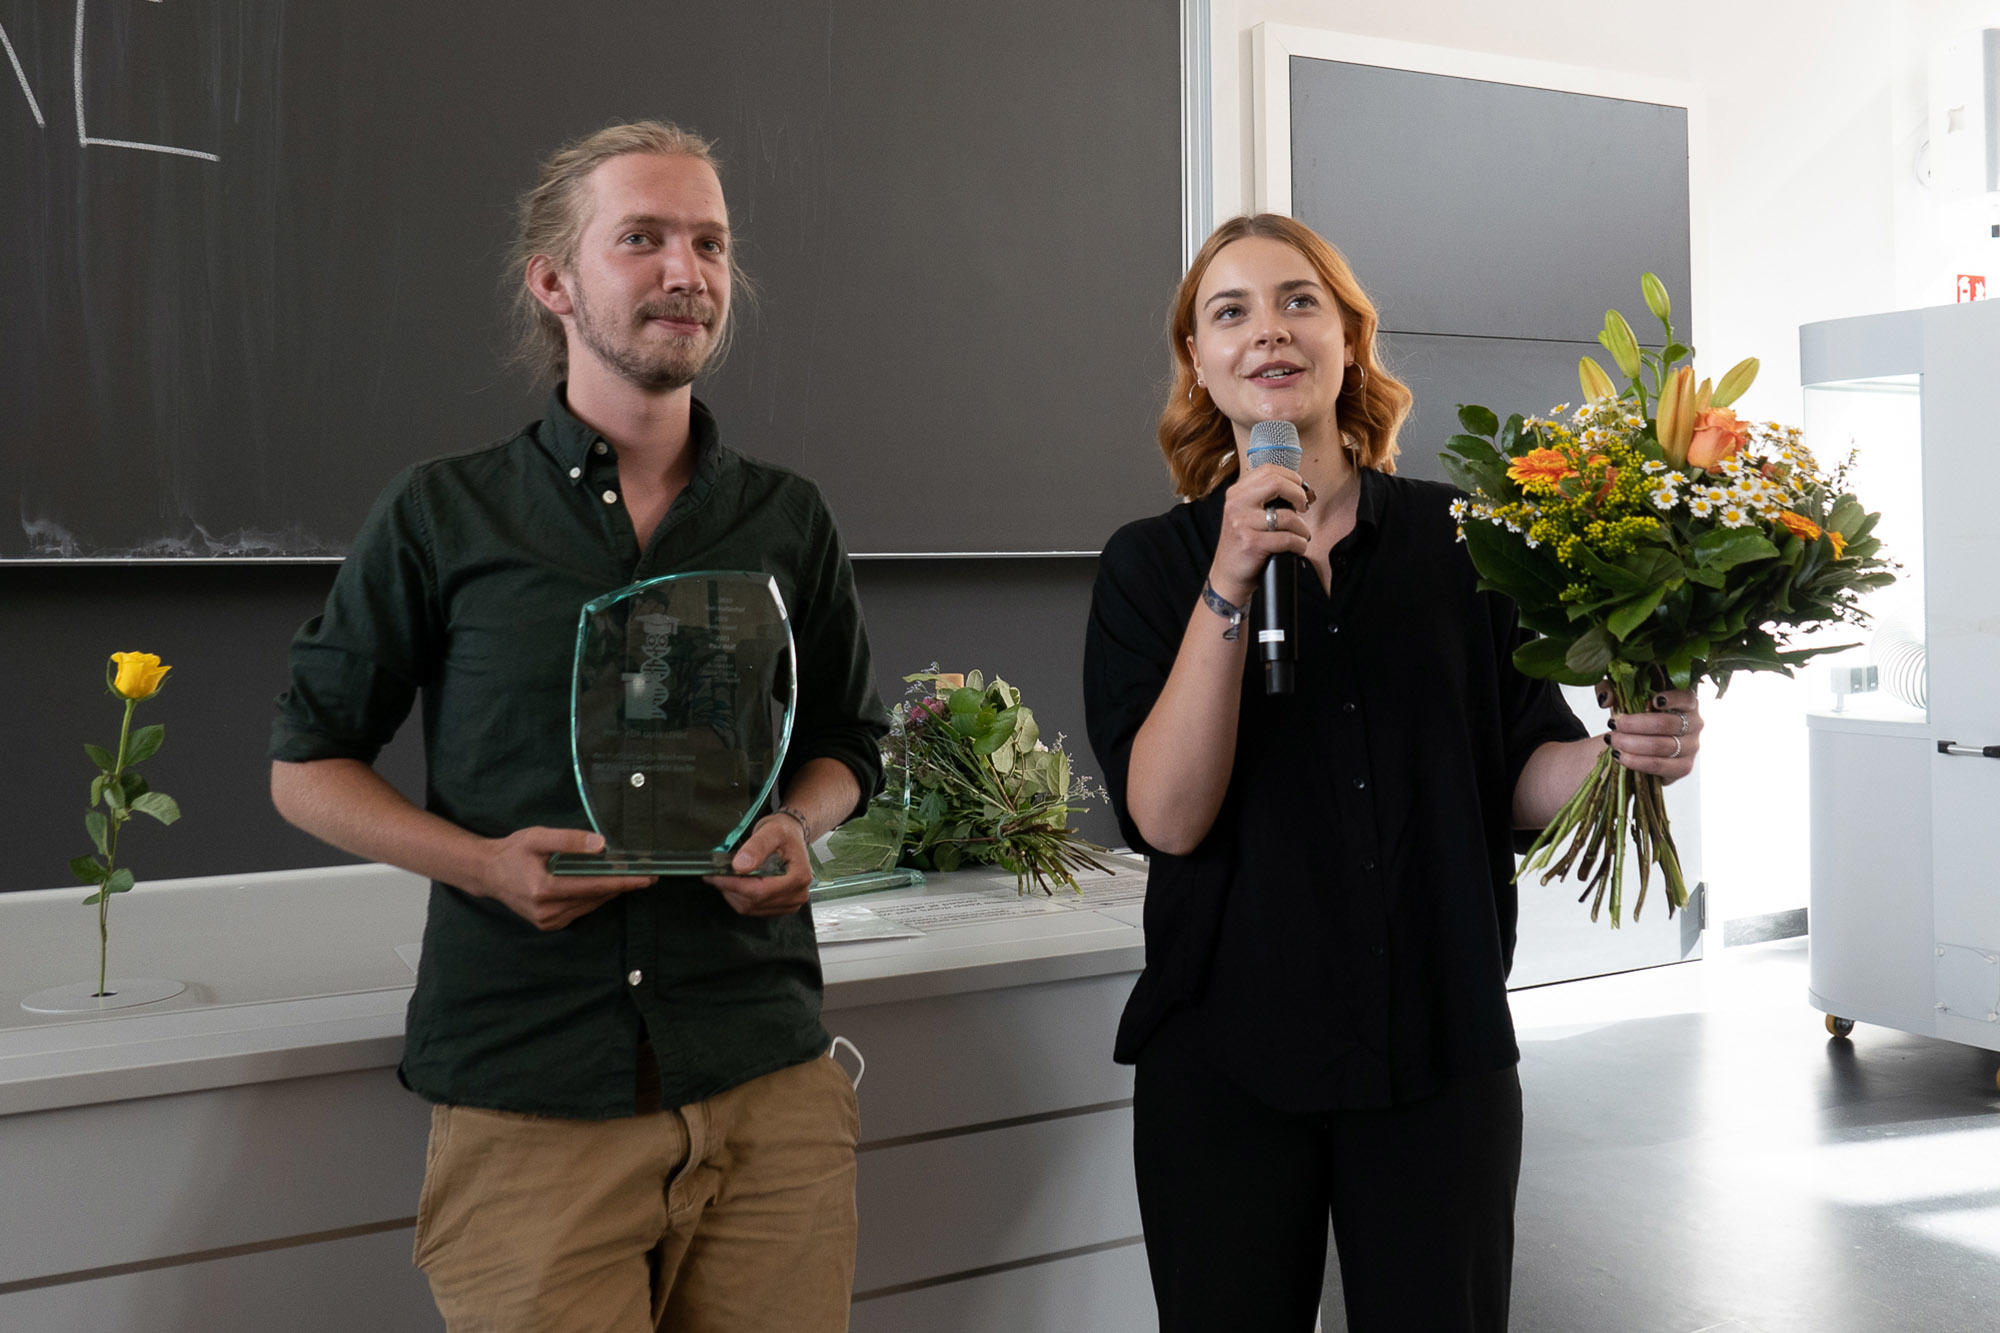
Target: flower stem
<point>115,823</point>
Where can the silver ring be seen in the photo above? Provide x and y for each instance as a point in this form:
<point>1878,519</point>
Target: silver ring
<point>1677,749</point>
<point>1270,518</point>
<point>1684,723</point>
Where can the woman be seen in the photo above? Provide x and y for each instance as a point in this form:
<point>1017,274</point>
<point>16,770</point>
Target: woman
<point>1321,1029</point>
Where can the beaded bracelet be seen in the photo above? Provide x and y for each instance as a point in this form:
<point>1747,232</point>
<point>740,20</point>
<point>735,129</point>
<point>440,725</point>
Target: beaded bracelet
<point>1223,607</point>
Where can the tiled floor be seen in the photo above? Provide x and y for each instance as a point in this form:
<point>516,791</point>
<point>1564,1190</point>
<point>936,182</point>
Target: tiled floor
<point>1702,1156</point>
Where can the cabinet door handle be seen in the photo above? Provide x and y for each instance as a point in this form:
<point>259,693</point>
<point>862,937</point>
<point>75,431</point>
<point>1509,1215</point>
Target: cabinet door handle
<point>1976,751</point>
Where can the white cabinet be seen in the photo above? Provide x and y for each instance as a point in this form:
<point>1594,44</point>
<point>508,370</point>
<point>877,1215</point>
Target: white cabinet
<point>1905,915</point>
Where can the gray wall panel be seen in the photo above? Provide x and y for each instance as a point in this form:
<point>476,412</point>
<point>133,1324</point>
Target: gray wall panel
<point>1485,208</point>
<point>1506,374</point>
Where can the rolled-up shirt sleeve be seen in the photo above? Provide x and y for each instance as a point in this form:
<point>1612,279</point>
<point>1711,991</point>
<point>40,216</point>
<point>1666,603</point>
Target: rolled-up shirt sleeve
<point>840,712</point>
<point>357,666</point>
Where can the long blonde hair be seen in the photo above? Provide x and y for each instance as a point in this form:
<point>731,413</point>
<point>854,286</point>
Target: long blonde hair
<point>550,222</point>
<point>1198,441</point>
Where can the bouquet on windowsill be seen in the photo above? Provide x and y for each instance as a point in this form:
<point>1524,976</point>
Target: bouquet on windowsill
<point>984,788</point>
<point>1654,538</point>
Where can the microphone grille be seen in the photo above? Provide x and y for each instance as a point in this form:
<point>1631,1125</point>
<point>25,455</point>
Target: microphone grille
<point>1275,442</point>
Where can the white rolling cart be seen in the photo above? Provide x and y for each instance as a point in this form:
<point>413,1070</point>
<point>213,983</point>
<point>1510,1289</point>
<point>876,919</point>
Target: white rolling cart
<point>1905,731</point>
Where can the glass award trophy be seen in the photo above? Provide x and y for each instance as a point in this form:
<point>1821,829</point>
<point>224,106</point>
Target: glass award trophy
<point>860,856</point>
<point>681,706</point>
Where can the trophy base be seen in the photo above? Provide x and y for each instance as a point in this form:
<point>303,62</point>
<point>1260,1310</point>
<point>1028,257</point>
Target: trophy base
<point>871,881</point>
<point>684,864</point>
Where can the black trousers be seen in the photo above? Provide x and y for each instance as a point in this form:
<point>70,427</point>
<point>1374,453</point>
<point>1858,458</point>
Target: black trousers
<point>1235,1198</point>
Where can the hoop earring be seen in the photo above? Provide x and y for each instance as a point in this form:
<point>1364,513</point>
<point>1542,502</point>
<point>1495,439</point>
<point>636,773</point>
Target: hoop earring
<point>1361,372</point>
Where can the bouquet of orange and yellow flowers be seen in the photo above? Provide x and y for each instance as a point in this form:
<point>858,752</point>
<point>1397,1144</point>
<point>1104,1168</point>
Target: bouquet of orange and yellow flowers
<point>1655,539</point>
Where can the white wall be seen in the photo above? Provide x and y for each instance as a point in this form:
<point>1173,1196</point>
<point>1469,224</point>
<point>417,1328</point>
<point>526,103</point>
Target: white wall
<point>1807,208</point>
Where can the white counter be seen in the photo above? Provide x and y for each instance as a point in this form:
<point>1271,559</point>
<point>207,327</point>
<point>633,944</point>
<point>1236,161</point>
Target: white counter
<point>246,1140</point>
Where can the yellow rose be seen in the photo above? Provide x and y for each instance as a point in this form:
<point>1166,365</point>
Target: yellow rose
<point>139,675</point>
<point>1718,434</point>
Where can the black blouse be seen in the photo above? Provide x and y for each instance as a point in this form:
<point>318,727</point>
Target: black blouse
<point>1342,936</point>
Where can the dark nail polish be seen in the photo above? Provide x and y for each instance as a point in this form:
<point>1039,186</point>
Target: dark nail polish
<point>1603,702</point>
<point>1611,723</point>
<point>1616,755</point>
<point>1659,701</point>
<point>1606,738</point>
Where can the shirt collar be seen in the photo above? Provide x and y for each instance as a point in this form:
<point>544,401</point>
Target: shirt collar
<point>577,448</point>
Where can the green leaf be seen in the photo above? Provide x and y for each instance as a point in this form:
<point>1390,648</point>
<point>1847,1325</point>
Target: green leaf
<point>1468,476</point>
<point>159,805</point>
<point>1633,613</point>
<point>100,756</point>
<point>1680,666</point>
<point>94,899</point>
<point>99,828</point>
<point>1476,449</point>
<point>948,856</point>
<point>1542,658</point>
<point>1529,577</point>
<point>88,869</point>
<point>871,841</point>
<point>1721,549</point>
<point>135,785</point>
<point>1591,654</point>
<point>1478,420</point>
<point>97,787</point>
<point>997,733</point>
<point>1616,578</point>
<point>120,882</point>
<point>145,743</point>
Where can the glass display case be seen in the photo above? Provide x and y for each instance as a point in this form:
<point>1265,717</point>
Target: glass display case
<point>1875,426</point>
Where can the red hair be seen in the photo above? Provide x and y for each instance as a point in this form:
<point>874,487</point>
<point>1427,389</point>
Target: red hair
<point>1198,441</point>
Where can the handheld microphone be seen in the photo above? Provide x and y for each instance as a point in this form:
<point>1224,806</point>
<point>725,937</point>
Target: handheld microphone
<point>1278,598</point>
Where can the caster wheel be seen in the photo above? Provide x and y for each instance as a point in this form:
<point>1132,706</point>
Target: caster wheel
<point>1840,1027</point>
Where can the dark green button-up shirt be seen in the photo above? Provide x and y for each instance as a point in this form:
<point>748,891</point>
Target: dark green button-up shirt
<point>464,587</point>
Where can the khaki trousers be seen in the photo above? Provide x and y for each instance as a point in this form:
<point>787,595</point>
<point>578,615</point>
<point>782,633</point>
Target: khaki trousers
<point>733,1214</point>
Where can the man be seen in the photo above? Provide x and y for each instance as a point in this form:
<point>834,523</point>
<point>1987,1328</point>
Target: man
<point>636,1123</point>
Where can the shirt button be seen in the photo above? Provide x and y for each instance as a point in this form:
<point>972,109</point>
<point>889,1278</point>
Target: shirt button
<point>634,977</point>
<point>575,472</point>
<point>1378,951</point>
<point>1361,784</point>
<point>600,447</point>
<point>1347,707</point>
<point>1333,629</point>
<point>610,497</point>
<point>1367,863</point>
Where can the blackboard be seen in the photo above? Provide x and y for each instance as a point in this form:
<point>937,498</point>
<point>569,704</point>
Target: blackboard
<point>250,253</point>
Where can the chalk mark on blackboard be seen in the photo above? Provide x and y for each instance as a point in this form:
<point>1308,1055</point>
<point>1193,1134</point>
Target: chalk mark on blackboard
<point>84,138</point>
<point>21,76</point>
<point>50,538</point>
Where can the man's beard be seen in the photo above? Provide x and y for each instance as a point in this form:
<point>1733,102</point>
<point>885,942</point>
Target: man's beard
<point>661,368</point>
